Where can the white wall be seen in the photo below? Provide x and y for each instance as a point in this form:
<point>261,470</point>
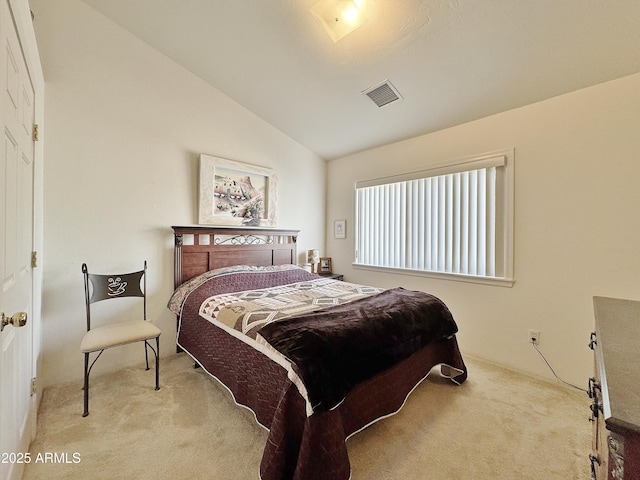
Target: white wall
<point>124,129</point>
<point>577,222</point>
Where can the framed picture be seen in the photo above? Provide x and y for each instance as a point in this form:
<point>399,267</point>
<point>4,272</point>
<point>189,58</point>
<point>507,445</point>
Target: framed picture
<point>325,265</point>
<point>235,193</point>
<point>340,229</point>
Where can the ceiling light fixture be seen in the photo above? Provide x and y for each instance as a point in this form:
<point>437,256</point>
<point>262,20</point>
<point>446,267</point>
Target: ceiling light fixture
<point>338,17</point>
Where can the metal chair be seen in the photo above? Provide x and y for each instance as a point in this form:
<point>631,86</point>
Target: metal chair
<point>119,332</point>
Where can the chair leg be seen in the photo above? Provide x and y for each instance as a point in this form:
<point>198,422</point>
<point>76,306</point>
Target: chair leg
<point>86,385</point>
<point>146,354</point>
<point>157,363</point>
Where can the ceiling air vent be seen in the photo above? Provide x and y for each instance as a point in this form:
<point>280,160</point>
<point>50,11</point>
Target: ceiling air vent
<point>383,93</point>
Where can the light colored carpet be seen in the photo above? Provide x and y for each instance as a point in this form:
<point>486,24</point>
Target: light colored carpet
<point>497,425</point>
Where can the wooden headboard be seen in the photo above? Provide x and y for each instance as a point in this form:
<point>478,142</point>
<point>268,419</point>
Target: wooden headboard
<point>200,248</point>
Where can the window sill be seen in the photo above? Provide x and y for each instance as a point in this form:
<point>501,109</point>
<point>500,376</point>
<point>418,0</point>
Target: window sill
<point>456,277</point>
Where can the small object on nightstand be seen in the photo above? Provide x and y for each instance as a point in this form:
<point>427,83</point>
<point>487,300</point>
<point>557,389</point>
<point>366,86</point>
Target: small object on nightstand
<point>313,257</point>
<point>325,265</point>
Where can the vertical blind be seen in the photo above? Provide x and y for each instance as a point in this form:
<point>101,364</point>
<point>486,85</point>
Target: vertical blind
<point>445,220</point>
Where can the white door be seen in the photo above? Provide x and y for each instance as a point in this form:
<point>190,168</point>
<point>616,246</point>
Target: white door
<point>16,237</point>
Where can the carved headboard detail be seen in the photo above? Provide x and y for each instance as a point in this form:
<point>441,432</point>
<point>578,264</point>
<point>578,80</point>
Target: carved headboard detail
<point>201,248</point>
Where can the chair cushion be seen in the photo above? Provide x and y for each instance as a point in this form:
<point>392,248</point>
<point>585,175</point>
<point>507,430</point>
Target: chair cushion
<point>108,336</point>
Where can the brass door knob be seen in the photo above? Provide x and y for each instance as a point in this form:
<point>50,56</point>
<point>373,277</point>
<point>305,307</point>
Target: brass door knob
<point>17,320</point>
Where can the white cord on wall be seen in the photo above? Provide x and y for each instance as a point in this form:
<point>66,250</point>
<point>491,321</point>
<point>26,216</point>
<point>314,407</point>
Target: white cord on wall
<point>535,345</point>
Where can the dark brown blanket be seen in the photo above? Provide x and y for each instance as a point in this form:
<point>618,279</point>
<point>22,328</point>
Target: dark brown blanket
<point>389,327</point>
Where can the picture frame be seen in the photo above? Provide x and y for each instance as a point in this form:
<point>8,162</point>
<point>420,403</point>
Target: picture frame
<point>236,193</point>
<point>340,229</point>
<point>325,265</point>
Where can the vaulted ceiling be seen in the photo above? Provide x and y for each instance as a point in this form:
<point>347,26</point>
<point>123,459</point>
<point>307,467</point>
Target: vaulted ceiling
<point>452,61</point>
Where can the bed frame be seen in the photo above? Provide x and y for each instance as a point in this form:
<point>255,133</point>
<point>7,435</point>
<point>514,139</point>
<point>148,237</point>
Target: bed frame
<point>201,248</point>
<point>298,446</point>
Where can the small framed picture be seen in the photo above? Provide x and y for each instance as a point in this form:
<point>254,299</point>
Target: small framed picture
<point>340,229</point>
<point>325,265</point>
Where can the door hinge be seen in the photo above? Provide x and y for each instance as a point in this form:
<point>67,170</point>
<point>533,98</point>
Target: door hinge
<point>34,385</point>
<point>36,136</point>
<point>34,259</point>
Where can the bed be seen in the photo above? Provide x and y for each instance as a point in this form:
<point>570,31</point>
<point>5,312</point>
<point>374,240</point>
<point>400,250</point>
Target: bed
<point>281,340</point>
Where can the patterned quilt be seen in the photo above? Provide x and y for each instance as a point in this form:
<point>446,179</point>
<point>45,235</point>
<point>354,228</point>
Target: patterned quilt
<point>302,444</point>
<point>249,311</point>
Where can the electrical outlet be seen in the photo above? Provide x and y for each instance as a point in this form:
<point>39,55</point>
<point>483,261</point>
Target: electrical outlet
<point>534,336</point>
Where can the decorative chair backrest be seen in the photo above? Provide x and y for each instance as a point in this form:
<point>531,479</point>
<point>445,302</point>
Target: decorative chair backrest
<point>100,287</point>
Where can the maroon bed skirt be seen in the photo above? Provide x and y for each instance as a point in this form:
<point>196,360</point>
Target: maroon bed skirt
<point>300,447</point>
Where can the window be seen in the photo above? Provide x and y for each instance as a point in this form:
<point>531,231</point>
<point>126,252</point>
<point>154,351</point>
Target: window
<point>454,220</point>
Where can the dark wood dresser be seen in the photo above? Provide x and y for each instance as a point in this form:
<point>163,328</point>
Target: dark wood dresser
<point>615,390</point>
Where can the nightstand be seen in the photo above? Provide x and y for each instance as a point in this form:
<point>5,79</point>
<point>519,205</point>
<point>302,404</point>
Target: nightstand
<point>335,276</point>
